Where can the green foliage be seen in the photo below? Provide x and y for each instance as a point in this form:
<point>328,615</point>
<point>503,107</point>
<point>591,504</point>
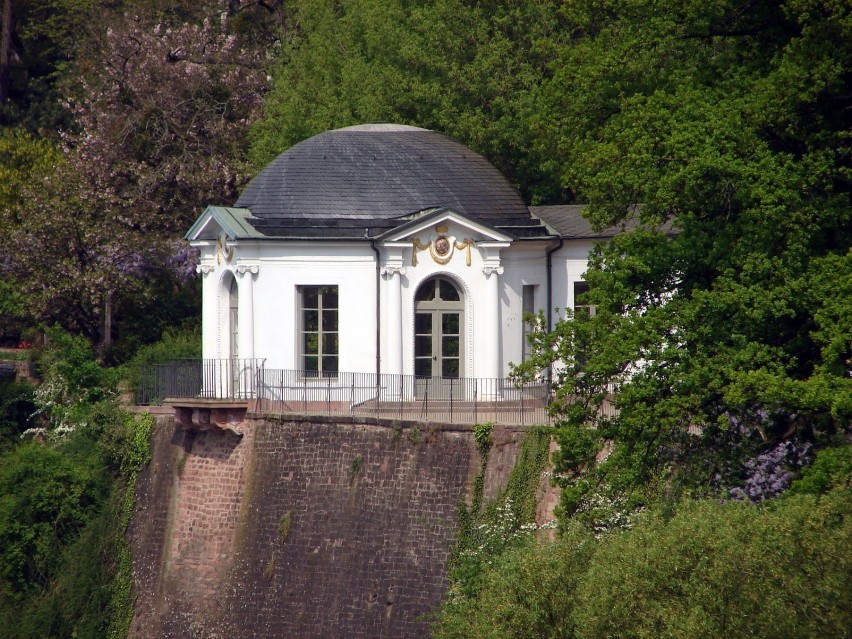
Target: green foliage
<point>64,509</point>
<point>832,468</point>
<point>175,344</point>
<point>77,602</point>
<point>16,409</point>
<point>487,531</point>
<point>470,70</point>
<point>529,592</point>
<point>285,525</point>
<point>22,355</point>
<point>45,37</point>
<point>482,437</point>
<point>138,454</point>
<point>75,390</point>
<point>45,501</point>
<point>710,570</point>
<point>728,570</point>
<point>65,502</point>
<point>522,486</point>
<point>23,159</point>
<point>732,333</point>
<point>168,310</point>
<point>415,436</point>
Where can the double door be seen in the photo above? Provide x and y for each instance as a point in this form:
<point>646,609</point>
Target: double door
<point>438,337</point>
<point>437,343</point>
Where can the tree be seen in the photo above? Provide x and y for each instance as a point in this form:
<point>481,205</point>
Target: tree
<point>731,570</point>
<point>23,160</point>
<point>734,332</point>
<point>5,48</point>
<point>38,41</point>
<point>74,253</point>
<point>706,570</point>
<point>469,70</point>
<point>162,116</point>
<point>160,110</point>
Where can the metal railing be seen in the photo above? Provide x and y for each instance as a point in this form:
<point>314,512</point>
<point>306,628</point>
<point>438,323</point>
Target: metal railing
<point>276,391</point>
<point>452,400</point>
<point>202,379</point>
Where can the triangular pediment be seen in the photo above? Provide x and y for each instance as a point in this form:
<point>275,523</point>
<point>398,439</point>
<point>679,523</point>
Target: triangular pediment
<point>217,221</point>
<point>427,221</point>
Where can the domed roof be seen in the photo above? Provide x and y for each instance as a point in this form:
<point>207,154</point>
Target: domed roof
<point>378,172</point>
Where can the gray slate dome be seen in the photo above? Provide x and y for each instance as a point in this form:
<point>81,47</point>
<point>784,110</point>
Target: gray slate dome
<point>366,176</point>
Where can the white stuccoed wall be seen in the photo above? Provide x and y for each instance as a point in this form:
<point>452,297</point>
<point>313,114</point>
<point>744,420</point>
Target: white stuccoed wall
<point>277,268</point>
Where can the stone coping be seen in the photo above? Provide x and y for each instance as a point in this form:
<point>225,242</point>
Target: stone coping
<point>365,420</point>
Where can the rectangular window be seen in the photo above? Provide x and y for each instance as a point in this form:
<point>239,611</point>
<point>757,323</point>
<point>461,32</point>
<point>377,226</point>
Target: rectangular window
<point>528,307</point>
<point>581,307</point>
<point>318,339</point>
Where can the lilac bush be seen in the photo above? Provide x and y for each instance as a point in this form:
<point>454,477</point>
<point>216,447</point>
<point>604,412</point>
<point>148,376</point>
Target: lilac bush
<point>770,473</point>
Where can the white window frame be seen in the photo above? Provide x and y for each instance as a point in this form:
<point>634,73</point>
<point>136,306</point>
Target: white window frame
<point>323,357</point>
<point>528,292</point>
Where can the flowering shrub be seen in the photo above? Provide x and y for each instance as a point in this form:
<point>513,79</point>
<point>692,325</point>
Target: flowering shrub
<point>485,533</point>
<point>605,514</point>
<point>770,473</point>
<point>73,385</point>
<point>161,115</point>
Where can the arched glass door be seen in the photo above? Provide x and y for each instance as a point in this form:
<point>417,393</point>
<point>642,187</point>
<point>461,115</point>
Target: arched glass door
<point>438,329</point>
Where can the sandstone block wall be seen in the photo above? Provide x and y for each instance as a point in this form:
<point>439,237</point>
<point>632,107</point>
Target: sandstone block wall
<point>306,527</point>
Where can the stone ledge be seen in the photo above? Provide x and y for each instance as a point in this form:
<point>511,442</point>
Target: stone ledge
<point>210,414</point>
<point>387,422</point>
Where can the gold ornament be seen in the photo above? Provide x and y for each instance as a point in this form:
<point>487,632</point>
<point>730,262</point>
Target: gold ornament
<point>441,249</point>
<point>223,250</point>
<point>465,246</point>
<point>442,245</point>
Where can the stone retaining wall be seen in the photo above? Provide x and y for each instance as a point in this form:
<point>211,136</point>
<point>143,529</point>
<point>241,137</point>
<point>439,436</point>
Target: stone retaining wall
<point>302,527</point>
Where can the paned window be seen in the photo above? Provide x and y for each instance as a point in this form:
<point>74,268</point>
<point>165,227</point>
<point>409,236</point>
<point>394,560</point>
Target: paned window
<point>319,330</point>
<point>581,307</point>
<point>233,319</point>
<point>528,307</point>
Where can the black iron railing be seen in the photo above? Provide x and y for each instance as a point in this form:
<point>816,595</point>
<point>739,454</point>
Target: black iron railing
<point>201,379</point>
<point>452,400</point>
<point>465,400</point>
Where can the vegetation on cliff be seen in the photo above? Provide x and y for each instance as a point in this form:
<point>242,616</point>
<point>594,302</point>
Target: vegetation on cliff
<point>66,493</point>
<point>709,570</point>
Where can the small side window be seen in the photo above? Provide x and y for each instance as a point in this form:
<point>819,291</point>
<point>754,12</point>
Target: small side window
<point>528,308</point>
<point>581,307</point>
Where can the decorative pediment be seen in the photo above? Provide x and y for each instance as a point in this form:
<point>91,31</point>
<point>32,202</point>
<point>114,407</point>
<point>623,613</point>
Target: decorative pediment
<point>218,222</point>
<point>426,223</point>
<point>442,235</point>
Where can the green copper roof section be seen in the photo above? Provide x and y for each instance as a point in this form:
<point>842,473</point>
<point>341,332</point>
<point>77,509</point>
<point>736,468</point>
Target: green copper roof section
<point>215,220</point>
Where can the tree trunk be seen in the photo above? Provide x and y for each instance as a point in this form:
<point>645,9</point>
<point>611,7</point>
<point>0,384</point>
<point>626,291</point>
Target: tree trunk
<point>5,48</point>
<point>106,333</point>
